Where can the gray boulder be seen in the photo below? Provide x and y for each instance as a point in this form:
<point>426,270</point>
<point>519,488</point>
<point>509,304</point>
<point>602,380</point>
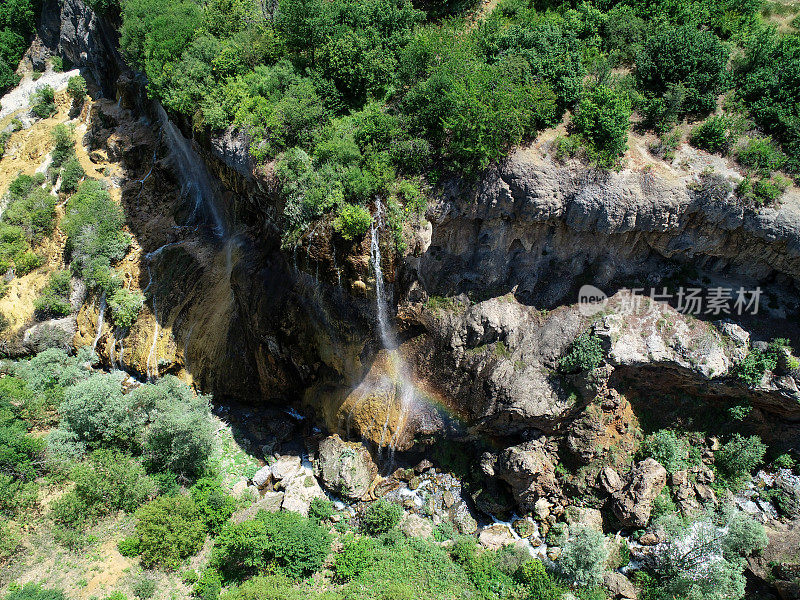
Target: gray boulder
<point>345,468</point>
<point>632,504</point>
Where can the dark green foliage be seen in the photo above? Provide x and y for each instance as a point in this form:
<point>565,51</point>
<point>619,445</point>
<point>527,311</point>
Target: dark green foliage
<point>482,569</point>
<point>757,362</point>
<point>54,299</point>
<point>321,509</point>
<point>585,353</point>
<point>667,448</point>
<point>64,144</point>
<point>43,103</point>
<point>4,137</point>
<point>353,221</point>
<point>169,528</point>
<point>144,587</point>
<point>108,481</point>
<point>293,544</point>
<point>71,175</point>
<point>17,25</point>
<point>214,504</point>
<point>208,586</point>
<point>129,546</point>
<point>93,224</point>
<point>681,70</point>
<point>33,591</point>
<point>34,211</point>
<point>711,135</point>
<point>539,583</point>
<point>740,456</point>
<point>603,120</point>
<point>380,517</point>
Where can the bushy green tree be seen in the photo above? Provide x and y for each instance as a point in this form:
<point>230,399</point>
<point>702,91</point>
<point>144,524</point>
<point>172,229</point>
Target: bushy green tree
<point>170,529</point>
<point>295,545</point>
<point>667,448</point>
<point>54,298</point>
<point>43,103</point>
<point>585,353</point>
<point>682,58</point>
<point>353,221</point>
<point>380,517</point>
<point>356,555</point>
<point>739,456</point>
<point>603,121</point>
<point>711,135</point>
<point>214,504</point>
<point>76,88</point>
<point>583,556</point>
<point>125,306</point>
<point>71,175</point>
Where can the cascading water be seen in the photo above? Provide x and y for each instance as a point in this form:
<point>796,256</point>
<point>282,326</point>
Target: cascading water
<point>100,318</point>
<point>403,392</point>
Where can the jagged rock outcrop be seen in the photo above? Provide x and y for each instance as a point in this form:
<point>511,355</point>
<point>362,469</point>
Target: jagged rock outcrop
<point>632,504</point>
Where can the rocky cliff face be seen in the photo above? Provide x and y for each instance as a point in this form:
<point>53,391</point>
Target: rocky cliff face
<point>485,299</point>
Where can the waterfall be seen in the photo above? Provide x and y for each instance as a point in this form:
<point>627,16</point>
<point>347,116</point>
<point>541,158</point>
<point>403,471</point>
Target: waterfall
<point>100,317</point>
<point>404,392</point>
<point>152,356</point>
<point>196,183</point>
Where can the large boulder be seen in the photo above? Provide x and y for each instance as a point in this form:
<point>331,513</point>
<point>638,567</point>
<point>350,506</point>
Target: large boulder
<point>299,492</point>
<point>632,504</point>
<point>789,500</point>
<point>530,472</point>
<point>345,468</point>
<point>618,586</point>
<point>417,527</point>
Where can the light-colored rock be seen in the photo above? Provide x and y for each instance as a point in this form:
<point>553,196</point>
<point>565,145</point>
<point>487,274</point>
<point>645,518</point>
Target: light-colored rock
<point>610,480</point>
<point>495,537</point>
<point>530,472</point>
<point>648,539</point>
<point>415,526</point>
<point>590,517</point>
<point>286,467</point>
<point>619,586</point>
<point>262,476</point>
<point>632,504</point>
<point>270,502</point>
<point>345,468</point>
<point>299,492</point>
<point>462,519</point>
<point>541,508</point>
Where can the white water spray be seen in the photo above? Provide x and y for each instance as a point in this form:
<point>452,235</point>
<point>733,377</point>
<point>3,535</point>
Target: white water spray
<point>100,317</point>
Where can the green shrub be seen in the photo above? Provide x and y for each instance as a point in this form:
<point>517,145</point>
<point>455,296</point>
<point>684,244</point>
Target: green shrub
<point>321,509</point>
<point>744,537</point>
<point>10,540</point>
<point>109,481</point>
<point>585,353</point>
<point>711,135</point>
<point>180,438</point>
<point>54,300</point>
<point>64,144</point>
<point>215,506</point>
<point>125,306</point>
<point>27,262</point>
<point>4,138</point>
<point>380,517</point>
<point>271,587</point>
<point>43,102</point>
<point>539,583</point>
<point>71,175</point>
<point>170,529</point>
<point>740,456</point>
<point>353,221</point>
<point>208,586</point>
<point>144,587</point>
<point>293,544</point>
<point>583,556</point>
<point>96,410</point>
<point>356,555</point>
<point>603,120</point>
<point>129,546</point>
<point>784,461</point>
<point>761,155</point>
<point>76,88</point>
<point>57,63</point>
<point>33,591</point>
<point>667,448</point>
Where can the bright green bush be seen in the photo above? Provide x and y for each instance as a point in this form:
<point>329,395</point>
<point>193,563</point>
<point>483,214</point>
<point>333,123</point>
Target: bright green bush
<point>108,481</point>
<point>321,509</point>
<point>43,102</point>
<point>353,221</point>
<point>603,121</point>
<point>539,583</point>
<point>27,262</point>
<point>356,555</point>
<point>64,144</point>
<point>170,529</point>
<point>761,155</point>
<point>214,504</point>
<point>740,456</point>
<point>54,300</point>
<point>293,544</point>
<point>129,546</point>
<point>125,306</point>
<point>667,448</point>
<point>585,353</point>
<point>380,517</point>
<point>208,586</point>
<point>76,88</point>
